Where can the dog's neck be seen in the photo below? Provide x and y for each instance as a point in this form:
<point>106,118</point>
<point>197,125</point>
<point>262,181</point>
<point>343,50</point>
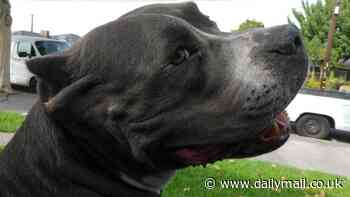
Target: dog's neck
<point>51,154</point>
<point>152,183</point>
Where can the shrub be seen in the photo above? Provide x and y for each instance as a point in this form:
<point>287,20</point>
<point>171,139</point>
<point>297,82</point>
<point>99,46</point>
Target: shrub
<point>312,83</point>
<point>333,83</point>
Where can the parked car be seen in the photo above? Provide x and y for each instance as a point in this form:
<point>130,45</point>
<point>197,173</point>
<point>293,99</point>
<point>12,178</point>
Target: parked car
<point>26,47</point>
<point>316,113</point>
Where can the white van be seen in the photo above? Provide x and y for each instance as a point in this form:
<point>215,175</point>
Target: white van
<point>27,47</point>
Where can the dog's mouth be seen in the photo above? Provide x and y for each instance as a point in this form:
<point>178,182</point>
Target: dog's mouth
<point>269,139</point>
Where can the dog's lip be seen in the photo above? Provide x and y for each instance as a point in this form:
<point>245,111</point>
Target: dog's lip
<point>278,131</point>
<point>201,154</point>
<point>274,135</point>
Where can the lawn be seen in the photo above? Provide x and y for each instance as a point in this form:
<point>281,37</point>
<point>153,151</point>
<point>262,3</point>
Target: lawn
<point>190,181</point>
<point>10,121</point>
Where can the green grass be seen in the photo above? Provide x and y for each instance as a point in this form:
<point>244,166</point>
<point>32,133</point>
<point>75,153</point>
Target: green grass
<point>10,121</point>
<point>190,181</point>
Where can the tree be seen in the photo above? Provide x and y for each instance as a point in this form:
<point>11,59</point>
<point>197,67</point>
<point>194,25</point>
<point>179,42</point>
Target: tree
<point>5,44</point>
<point>314,21</point>
<point>250,24</point>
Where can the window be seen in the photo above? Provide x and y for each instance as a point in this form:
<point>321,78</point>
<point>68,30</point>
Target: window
<point>25,46</point>
<point>47,47</point>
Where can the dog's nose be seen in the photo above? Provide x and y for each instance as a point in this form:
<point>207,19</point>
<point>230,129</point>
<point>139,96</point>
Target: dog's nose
<point>290,41</point>
<point>287,41</point>
<point>277,69</point>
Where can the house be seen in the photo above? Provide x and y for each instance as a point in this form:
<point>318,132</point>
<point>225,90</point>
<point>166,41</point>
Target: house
<point>344,71</point>
<point>339,71</point>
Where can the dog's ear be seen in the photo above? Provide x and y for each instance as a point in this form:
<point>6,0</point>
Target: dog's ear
<point>49,68</point>
<point>51,72</point>
<point>69,93</point>
<point>55,86</point>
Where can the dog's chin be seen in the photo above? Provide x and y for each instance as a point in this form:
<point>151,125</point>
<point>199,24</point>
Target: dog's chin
<point>270,138</point>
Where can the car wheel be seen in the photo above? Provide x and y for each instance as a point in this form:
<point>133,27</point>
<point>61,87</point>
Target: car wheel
<point>313,126</point>
<point>33,84</point>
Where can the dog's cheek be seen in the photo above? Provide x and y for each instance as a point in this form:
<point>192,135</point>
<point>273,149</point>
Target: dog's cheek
<point>91,111</point>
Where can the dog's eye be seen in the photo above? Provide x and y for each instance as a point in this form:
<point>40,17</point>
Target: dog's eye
<point>180,56</point>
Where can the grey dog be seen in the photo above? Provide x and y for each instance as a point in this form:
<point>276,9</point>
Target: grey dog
<point>156,90</point>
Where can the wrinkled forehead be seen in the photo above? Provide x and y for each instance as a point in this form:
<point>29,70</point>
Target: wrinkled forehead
<point>186,11</point>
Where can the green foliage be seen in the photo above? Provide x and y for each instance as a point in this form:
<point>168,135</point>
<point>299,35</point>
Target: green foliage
<point>333,83</point>
<point>190,181</point>
<point>315,49</point>
<point>250,24</point>
<point>314,21</point>
<point>312,83</point>
<point>10,121</point>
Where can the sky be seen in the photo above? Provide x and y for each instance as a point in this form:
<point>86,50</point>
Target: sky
<point>81,16</point>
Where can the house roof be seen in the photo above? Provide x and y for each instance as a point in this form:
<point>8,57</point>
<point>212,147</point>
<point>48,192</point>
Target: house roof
<point>26,33</point>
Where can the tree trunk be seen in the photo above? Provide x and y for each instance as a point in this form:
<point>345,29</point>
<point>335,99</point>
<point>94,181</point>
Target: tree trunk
<point>5,45</point>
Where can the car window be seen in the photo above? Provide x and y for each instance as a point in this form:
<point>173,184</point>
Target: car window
<point>47,47</point>
<point>24,46</point>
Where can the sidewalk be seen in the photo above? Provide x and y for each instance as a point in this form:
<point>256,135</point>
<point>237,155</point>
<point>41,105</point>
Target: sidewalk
<point>5,138</point>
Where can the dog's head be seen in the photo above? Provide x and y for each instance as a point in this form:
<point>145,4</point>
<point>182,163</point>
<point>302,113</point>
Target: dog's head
<point>164,87</point>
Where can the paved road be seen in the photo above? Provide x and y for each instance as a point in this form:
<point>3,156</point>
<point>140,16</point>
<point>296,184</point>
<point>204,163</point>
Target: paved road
<point>305,153</point>
<point>313,154</point>
<point>19,102</point>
